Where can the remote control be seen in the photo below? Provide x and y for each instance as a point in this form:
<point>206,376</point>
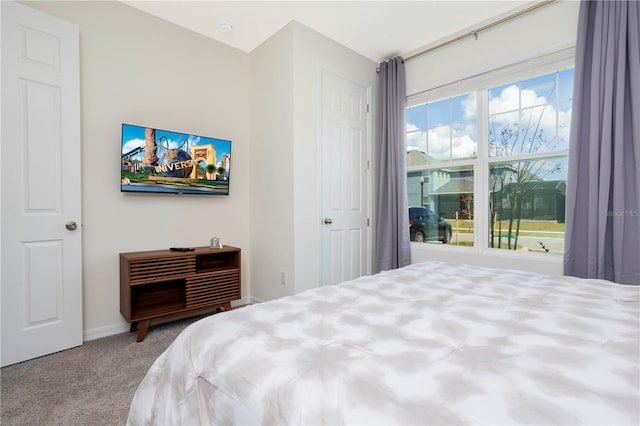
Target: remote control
<point>181,249</point>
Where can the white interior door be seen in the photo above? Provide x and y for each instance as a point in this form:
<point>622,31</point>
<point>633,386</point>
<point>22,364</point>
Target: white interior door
<point>345,234</point>
<point>41,246</point>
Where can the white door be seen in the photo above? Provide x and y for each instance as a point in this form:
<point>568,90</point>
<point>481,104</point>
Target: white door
<point>345,180</point>
<point>41,249</point>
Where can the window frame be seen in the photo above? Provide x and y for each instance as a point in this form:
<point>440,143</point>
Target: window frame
<point>480,85</point>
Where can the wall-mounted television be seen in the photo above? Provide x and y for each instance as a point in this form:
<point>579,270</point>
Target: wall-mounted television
<point>156,160</point>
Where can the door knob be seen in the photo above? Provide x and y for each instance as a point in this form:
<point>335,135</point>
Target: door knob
<point>71,226</point>
<point>328,221</point>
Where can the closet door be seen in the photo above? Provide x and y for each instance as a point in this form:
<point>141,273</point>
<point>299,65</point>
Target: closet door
<point>345,232</point>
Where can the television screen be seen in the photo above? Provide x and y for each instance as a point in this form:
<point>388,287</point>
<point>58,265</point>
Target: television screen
<point>155,160</point>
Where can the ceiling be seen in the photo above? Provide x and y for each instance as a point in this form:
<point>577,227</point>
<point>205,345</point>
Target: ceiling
<point>377,30</point>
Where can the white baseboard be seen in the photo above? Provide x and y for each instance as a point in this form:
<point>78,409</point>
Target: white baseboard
<point>105,331</point>
<point>110,330</point>
<point>242,302</point>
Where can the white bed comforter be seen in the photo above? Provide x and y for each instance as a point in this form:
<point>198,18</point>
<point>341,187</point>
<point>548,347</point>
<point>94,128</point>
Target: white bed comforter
<point>432,343</point>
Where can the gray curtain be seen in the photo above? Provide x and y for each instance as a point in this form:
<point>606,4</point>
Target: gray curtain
<point>392,225</point>
<point>602,237</point>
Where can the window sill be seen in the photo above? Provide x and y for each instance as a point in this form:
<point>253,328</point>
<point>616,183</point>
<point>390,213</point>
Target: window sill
<point>546,263</point>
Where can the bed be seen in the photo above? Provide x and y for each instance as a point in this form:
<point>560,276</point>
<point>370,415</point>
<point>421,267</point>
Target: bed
<point>431,343</point>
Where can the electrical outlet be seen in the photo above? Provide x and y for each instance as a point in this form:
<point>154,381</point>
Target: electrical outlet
<point>283,277</point>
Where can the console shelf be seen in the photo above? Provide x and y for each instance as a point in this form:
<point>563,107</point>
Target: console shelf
<point>162,284</point>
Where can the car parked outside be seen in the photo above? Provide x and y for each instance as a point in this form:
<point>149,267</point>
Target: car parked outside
<point>425,225</point>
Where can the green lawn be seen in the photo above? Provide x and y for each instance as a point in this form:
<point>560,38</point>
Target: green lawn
<point>526,226</point>
<point>470,244</point>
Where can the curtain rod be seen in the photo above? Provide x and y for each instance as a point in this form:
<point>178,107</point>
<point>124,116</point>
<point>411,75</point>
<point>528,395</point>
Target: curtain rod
<point>475,32</point>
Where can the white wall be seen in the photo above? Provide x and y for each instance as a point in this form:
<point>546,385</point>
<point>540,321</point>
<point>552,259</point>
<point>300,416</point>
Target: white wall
<point>138,69</point>
<point>285,99</point>
<point>272,165</point>
<point>546,30</point>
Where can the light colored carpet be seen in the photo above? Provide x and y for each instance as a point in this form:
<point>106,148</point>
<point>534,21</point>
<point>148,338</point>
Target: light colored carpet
<point>92,384</point>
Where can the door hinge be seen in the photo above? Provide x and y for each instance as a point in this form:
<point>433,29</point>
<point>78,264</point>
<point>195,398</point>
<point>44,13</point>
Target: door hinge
<point>368,222</point>
<point>368,165</point>
<point>367,107</point>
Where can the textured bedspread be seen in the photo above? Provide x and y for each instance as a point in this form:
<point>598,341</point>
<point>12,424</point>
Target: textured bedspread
<point>432,343</point>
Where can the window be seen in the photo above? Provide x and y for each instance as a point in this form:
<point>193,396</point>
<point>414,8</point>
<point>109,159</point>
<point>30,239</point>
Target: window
<point>492,162</point>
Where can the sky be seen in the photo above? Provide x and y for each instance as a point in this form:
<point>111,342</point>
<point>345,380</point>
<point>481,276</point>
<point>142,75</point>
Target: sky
<point>447,129</point>
<point>133,137</point>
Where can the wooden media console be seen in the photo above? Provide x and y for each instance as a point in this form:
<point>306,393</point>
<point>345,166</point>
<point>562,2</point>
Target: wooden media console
<point>164,284</point>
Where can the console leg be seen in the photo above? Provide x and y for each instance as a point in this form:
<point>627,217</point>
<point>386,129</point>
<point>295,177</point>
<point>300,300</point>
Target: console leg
<point>142,332</point>
<point>133,327</point>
